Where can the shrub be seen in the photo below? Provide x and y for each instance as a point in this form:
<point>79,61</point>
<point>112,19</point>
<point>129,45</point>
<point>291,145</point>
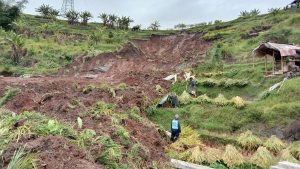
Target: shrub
<point>185,98</point>
<point>274,144</point>
<point>285,155</point>
<point>232,157</point>
<point>262,158</point>
<point>249,141</point>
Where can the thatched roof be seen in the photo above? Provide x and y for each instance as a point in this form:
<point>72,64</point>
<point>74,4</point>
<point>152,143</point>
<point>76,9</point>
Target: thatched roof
<point>295,2</point>
<point>279,49</point>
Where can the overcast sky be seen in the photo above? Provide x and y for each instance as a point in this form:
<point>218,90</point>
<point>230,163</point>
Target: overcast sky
<point>168,12</point>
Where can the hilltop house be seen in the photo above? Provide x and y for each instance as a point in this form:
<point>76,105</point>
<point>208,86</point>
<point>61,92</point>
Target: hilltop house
<point>285,57</point>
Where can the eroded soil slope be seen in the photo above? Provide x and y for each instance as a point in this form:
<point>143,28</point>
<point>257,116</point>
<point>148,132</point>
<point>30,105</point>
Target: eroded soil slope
<point>141,65</point>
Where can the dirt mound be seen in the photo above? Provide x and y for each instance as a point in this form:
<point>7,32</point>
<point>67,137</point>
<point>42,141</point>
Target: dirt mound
<point>141,65</point>
<point>54,153</point>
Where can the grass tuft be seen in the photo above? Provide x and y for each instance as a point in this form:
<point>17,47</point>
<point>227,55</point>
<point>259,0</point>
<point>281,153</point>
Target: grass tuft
<point>262,158</point>
<point>249,141</point>
<point>22,160</point>
<point>232,157</point>
<point>274,144</point>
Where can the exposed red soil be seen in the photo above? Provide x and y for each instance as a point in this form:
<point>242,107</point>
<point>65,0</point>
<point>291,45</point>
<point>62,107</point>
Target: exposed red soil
<point>140,64</point>
<point>54,152</point>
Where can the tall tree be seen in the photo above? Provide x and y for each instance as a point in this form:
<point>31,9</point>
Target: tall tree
<point>85,17</point>
<point>72,17</point>
<point>104,18</point>
<point>154,26</point>
<point>112,20</point>
<point>47,11</point>
<point>9,12</point>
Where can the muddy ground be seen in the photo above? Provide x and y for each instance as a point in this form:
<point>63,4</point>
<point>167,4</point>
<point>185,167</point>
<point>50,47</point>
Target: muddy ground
<point>141,65</point>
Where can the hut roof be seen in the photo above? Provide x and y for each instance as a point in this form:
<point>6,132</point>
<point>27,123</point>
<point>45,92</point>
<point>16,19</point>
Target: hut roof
<point>283,49</point>
<point>295,2</point>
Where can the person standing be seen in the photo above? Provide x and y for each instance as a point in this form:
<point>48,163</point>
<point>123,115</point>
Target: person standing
<point>175,128</point>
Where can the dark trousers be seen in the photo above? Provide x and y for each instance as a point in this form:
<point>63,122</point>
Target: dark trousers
<point>174,135</point>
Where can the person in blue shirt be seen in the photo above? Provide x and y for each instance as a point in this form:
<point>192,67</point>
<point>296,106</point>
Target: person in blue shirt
<point>175,128</point>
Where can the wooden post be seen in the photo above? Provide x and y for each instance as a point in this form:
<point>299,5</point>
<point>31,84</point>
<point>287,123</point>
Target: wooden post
<point>266,64</point>
<point>282,64</point>
<point>274,60</point>
<point>253,60</point>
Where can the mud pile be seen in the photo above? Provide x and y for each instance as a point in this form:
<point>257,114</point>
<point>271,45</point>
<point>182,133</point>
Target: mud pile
<point>141,65</point>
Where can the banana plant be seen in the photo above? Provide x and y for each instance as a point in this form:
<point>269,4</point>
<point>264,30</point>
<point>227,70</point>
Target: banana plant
<point>17,43</point>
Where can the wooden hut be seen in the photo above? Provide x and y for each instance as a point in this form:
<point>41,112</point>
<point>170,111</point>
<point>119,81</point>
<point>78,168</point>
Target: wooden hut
<point>285,57</point>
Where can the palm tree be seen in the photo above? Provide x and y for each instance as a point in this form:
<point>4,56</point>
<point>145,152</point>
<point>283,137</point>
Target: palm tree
<point>17,43</point>
<point>112,20</point>
<point>104,18</point>
<point>47,11</point>
<point>53,13</point>
<point>72,17</point>
<point>154,26</point>
<point>274,11</point>
<point>254,12</point>
<point>44,10</point>
<point>244,14</point>
<point>85,17</point>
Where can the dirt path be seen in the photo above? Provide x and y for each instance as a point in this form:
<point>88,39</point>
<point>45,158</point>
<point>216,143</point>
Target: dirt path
<point>140,65</point>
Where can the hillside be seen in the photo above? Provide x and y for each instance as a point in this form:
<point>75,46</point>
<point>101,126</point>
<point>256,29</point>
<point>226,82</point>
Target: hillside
<point>86,96</point>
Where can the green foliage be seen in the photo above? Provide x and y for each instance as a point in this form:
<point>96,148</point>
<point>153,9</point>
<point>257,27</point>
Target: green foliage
<point>9,13</point>
<point>85,17</point>
<point>23,160</point>
<point>103,108</point>
<point>249,141</point>
<point>8,95</point>
<point>112,154</point>
<point>262,158</point>
<point>86,138</point>
<point>53,127</point>
<point>47,11</point>
<point>124,135</point>
<point>73,17</point>
<point>134,114</point>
